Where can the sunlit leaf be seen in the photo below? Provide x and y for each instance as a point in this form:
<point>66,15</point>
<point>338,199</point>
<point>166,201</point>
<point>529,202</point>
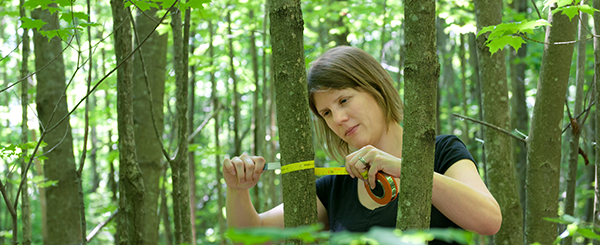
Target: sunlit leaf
<point>528,26</point>
<point>570,11</point>
<point>31,23</point>
<point>499,43</point>
<point>587,9</point>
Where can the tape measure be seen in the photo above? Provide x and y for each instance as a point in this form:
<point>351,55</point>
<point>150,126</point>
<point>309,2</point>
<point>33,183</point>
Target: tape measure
<point>384,192</point>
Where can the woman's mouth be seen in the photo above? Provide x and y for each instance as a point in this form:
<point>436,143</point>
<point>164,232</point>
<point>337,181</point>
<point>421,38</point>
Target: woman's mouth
<point>351,130</point>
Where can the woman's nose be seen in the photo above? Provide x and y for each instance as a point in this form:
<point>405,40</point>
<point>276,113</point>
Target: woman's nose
<point>340,116</point>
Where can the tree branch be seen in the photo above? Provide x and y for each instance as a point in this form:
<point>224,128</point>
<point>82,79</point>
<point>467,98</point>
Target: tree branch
<point>97,229</point>
<point>491,126</point>
<point>203,124</point>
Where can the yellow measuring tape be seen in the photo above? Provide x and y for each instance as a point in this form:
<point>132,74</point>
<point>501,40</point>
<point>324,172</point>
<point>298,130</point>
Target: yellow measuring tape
<point>318,171</point>
<point>385,191</point>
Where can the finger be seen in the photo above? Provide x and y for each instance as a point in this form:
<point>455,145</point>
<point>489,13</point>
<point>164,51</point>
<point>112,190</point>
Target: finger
<point>239,167</point>
<point>259,164</point>
<point>227,166</point>
<point>249,164</point>
<point>348,166</point>
<point>372,176</point>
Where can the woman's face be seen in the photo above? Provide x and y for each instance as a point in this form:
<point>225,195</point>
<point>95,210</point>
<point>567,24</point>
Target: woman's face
<point>353,115</point>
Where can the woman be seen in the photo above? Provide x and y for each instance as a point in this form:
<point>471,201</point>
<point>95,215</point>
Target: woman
<point>359,114</point>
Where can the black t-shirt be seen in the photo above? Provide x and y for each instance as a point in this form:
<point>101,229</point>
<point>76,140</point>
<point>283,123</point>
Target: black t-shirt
<point>338,194</point>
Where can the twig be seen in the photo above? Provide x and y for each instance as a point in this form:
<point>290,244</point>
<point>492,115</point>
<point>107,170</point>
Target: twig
<point>557,43</point>
<point>12,51</point>
<point>491,126</point>
<point>97,229</point>
<point>7,201</point>
<point>203,124</point>
<point>586,109</point>
<point>536,9</point>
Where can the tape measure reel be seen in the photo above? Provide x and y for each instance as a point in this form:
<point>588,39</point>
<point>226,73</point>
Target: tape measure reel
<point>385,189</point>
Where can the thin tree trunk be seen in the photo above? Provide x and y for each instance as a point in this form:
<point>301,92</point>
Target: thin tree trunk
<point>237,139</point>
<point>576,126</point>
<point>215,105</point>
<point>544,141</point>
<point>25,205</point>
<point>64,219</point>
<point>520,120</point>
<point>267,178</point>
<point>42,191</point>
<point>421,73</point>
<point>382,36</point>
<point>149,70</point>
<point>164,211</point>
<point>257,114</point>
<point>463,75</point>
<point>596,213</point>
<point>131,223</point>
<point>496,111</point>
<point>299,191</point>
<point>474,63</point>
<point>192,160</point>
<point>180,53</point>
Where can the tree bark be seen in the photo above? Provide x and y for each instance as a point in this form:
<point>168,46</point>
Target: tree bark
<point>576,126</point>
<point>149,71</point>
<point>131,223</point>
<point>596,213</point>
<point>421,72</point>
<point>299,191</point>
<point>498,149</point>
<point>520,120</point>
<point>544,141</point>
<point>63,220</point>
<point>180,50</point>
<point>25,204</point>
<point>463,75</point>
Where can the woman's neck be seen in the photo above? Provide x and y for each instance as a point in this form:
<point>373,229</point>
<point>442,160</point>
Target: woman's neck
<point>391,142</point>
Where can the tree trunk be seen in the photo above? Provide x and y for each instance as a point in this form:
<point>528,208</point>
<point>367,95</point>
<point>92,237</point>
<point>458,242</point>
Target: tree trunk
<point>544,141</point>
<point>149,70</point>
<point>576,126</point>
<point>474,63</point>
<point>596,213</point>
<point>299,191</point>
<point>520,120</point>
<point>498,149</point>
<point>62,200</point>
<point>421,72</point>
<point>131,223</point>
<point>180,53</point>
<point>25,205</point>
<point>257,113</point>
<point>237,139</point>
<point>463,75</point>
<point>164,211</point>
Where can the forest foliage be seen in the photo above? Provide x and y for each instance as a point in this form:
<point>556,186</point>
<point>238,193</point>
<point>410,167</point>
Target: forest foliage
<point>375,26</point>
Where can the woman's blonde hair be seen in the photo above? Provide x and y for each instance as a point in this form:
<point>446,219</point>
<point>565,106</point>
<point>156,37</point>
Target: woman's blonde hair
<point>348,67</point>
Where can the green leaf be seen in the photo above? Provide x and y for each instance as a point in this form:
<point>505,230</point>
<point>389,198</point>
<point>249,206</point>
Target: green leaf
<point>499,43</point>
<point>562,3</point>
<point>570,11</point>
<point>68,16</point>
<point>42,158</point>
<point>261,235</point>
<point>587,9</point>
<point>587,233</point>
<point>193,147</point>
<point>528,26</point>
<point>92,24</point>
<point>486,29</point>
<point>31,23</point>
<point>47,183</point>
<point>32,4</point>
<point>198,4</point>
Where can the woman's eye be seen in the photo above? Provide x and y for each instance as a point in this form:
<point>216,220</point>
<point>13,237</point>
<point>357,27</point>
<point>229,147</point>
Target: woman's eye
<point>326,113</point>
<point>342,101</point>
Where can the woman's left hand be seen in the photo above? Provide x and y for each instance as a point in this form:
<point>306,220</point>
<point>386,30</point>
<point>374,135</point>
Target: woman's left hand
<point>376,160</point>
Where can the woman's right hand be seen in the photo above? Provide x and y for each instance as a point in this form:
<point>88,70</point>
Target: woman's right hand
<point>243,172</point>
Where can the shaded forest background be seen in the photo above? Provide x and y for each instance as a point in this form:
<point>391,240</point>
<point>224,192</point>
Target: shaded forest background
<point>227,67</point>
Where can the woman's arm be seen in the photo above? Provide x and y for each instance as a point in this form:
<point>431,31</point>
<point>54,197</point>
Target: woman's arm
<point>461,195</point>
<point>242,173</point>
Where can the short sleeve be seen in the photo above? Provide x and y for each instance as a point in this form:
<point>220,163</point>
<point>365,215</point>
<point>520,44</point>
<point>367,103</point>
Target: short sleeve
<point>449,149</point>
<point>324,187</point>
